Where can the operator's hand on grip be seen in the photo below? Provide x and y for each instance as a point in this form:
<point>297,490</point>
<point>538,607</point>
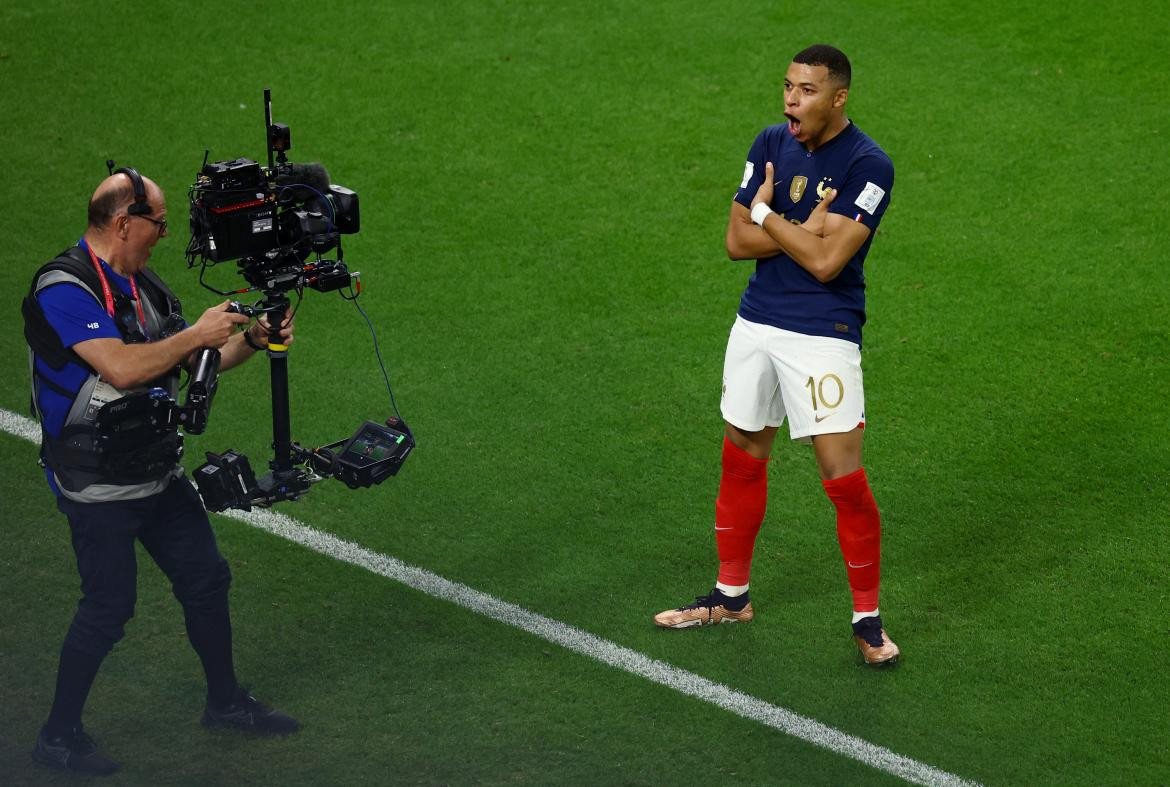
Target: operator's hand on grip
<point>263,327</point>
<point>815,223</point>
<point>216,325</point>
<point>764,192</point>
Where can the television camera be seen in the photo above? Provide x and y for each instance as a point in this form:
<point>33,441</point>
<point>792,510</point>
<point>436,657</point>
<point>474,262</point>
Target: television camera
<point>276,222</point>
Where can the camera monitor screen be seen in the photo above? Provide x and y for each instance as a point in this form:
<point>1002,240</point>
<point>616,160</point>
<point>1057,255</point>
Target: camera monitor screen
<point>372,444</point>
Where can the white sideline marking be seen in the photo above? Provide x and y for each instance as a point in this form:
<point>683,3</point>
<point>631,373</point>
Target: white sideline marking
<point>575,639</point>
<point>20,426</point>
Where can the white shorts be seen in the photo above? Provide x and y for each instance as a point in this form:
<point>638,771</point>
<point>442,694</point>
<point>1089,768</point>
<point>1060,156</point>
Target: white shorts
<point>770,373</point>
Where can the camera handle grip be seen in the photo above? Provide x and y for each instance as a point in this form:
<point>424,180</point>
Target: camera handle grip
<point>235,307</point>
<point>201,391</point>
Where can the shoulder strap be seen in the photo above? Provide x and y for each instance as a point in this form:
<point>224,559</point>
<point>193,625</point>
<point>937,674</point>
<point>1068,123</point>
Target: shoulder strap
<point>159,293</point>
<point>74,263</point>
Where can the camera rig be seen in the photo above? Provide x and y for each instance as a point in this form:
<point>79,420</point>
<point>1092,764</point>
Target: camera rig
<point>276,222</point>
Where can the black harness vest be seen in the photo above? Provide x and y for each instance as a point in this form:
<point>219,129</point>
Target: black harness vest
<point>80,457</point>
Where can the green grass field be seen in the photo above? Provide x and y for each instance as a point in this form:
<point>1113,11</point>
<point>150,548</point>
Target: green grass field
<point>544,192</point>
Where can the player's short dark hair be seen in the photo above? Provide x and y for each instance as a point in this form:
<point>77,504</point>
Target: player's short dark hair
<point>831,58</point>
<point>106,204</point>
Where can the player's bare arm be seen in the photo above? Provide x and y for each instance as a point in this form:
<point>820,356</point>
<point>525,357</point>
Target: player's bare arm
<point>130,365</point>
<point>747,240</point>
<point>821,255</point>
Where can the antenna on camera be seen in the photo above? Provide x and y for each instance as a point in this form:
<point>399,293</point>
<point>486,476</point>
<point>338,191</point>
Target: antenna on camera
<point>279,136</point>
<point>268,123</point>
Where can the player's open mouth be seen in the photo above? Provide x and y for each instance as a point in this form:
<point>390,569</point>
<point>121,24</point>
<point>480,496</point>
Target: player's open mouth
<point>793,124</point>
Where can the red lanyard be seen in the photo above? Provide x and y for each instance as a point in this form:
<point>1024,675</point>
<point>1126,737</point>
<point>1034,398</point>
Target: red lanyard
<point>97,266</point>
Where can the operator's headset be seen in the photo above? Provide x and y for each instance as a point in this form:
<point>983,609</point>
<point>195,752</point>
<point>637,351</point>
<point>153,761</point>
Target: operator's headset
<point>140,207</point>
<point>173,323</point>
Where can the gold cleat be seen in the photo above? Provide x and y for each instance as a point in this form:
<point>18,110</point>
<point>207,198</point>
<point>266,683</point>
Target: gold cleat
<point>875,644</point>
<point>706,611</point>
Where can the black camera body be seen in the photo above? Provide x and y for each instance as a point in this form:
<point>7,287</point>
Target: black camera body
<point>273,219</point>
<point>239,210</point>
<point>233,211</point>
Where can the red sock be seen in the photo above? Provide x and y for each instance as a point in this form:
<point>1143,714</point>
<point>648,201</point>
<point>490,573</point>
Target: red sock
<point>859,531</point>
<point>739,511</point>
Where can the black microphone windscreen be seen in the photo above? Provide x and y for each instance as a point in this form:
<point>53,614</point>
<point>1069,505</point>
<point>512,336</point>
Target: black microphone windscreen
<point>312,174</point>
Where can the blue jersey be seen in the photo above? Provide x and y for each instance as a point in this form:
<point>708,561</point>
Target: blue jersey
<point>780,292</point>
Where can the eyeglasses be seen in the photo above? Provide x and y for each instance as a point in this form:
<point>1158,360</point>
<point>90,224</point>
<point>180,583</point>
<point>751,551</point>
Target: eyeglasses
<point>162,225</point>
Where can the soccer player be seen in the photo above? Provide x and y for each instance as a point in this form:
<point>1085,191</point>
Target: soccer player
<point>812,195</point>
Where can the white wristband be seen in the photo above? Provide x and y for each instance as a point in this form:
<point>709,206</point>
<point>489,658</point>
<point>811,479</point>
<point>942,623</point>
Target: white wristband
<point>760,212</point>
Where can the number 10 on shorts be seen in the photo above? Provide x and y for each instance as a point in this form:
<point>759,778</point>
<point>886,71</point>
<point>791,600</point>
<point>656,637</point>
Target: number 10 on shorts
<point>827,392</point>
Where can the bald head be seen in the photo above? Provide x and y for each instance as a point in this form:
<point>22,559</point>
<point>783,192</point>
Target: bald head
<point>114,194</point>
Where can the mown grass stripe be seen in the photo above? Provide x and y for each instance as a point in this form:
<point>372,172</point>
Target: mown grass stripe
<point>574,639</point>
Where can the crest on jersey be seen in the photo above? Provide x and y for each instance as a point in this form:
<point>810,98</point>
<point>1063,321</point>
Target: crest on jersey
<point>796,187</point>
<point>823,188</point>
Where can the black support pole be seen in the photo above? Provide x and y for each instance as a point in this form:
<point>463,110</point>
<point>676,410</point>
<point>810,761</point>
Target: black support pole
<point>278,367</point>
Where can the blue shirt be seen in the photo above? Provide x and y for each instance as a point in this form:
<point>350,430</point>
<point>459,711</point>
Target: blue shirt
<point>780,292</point>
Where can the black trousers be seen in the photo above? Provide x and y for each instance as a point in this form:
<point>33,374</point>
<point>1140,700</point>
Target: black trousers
<point>174,529</point>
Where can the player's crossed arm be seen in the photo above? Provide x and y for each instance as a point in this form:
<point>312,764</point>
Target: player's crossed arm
<point>746,240</point>
<point>749,241</point>
<point>824,254</point>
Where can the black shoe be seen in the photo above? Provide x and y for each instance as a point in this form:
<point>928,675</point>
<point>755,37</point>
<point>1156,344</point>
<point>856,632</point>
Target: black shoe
<point>73,752</point>
<point>249,714</point>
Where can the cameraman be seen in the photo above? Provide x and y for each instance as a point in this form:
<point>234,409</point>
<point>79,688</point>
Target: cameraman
<point>99,325</point>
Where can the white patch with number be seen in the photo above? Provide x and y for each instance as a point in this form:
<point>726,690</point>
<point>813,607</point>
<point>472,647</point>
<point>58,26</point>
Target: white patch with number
<point>749,169</point>
<point>870,197</point>
<point>103,394</point>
